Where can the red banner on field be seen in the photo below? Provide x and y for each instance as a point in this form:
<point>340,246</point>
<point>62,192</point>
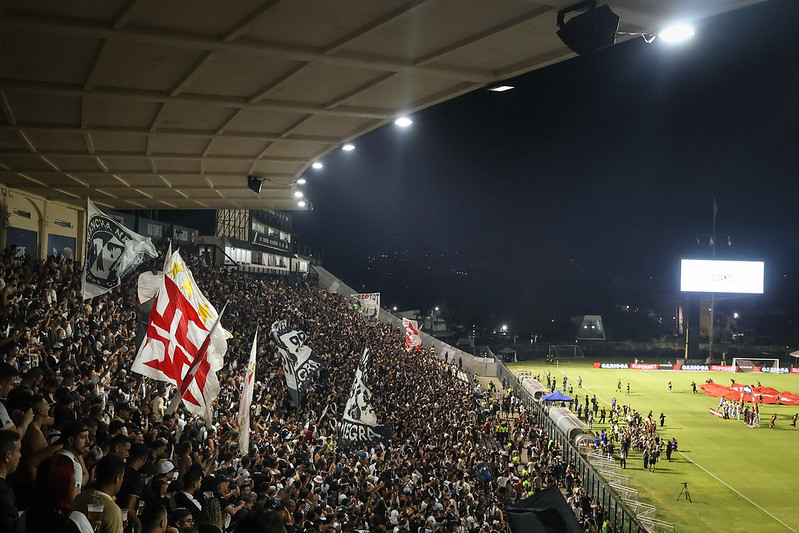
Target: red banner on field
<point>747,393</point>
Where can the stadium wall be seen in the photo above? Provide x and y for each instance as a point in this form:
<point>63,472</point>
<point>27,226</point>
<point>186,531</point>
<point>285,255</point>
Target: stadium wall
<point>478,366</point>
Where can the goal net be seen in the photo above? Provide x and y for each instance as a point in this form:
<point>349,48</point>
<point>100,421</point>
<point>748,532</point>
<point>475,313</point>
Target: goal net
<point>756,364</point>
<point>562,351</point>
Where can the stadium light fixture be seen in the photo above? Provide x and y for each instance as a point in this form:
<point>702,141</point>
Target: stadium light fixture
<point>298,194</point>
<point>317,165</point>
<point>301,181</point>
<point>301,203</point>
<point>677,33</point>
<point>501,88</point>
<point>403,122</point>
<point>348,147</point>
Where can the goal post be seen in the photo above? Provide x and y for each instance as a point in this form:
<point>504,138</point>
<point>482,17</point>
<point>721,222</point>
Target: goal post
<point>750,364</point>
<point>562,351</point>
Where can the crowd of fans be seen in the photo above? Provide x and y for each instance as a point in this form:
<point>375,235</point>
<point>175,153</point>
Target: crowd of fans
<point>86,445</point>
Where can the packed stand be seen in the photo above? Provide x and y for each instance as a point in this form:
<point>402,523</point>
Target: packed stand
<point>87,445</point>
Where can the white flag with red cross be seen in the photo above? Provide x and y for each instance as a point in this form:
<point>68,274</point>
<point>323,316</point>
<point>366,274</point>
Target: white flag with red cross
<point>184,345</point>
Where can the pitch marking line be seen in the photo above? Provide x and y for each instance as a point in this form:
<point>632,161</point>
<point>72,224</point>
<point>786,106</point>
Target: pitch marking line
<point>714,476</point>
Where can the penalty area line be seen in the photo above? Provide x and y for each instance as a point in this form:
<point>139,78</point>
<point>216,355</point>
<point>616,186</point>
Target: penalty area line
<point>714,476</point>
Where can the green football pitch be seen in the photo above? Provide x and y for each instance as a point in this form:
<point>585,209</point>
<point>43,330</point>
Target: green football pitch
<point>739,478</point>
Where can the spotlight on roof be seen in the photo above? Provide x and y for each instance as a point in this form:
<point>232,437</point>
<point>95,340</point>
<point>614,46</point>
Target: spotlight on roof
<point>254,184</point>
<point>591,29</point>
<point>301,203</point>
<point>317,165</point>
<point>348,147</point>
<point>403,122</point>
<point>298,194</point>
<point>677,33</point>
<point>501,88</point>
<point>301,181</point>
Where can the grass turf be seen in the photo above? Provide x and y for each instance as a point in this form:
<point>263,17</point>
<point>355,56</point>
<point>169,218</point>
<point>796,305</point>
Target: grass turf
<point>739,478</point>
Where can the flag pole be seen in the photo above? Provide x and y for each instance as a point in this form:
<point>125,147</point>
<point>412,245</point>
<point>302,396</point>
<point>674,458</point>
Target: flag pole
<point>195,364</point>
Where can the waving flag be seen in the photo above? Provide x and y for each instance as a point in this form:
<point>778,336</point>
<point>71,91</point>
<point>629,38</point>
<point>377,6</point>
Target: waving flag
<point>412,337</point>
<point>359,426</point>
<point>246,401</point>
<point>183,345</point>
<point>112,250</point>
<point>300,364</point>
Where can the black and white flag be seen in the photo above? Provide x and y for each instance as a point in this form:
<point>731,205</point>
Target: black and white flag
<point>359,425</point>
<point>112,250</point>
<point>300,364</point>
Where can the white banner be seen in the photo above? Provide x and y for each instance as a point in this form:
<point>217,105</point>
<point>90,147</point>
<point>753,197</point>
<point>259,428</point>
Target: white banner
<point>112,250</point>
<point>370,304</point>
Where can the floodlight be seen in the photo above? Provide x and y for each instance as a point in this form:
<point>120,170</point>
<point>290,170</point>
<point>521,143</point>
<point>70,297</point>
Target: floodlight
<point>301,203</point>
<point>254,184</point>
<point>317,165</point>
<point>501,88</point>
<point>593,28</point>
<point>403,122</point>
<point>348,147</point>
<point>677,33</point>
<point>301,181</point>
<point>298,194</point>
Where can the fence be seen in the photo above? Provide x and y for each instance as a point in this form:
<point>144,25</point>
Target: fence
<point>621,517</point>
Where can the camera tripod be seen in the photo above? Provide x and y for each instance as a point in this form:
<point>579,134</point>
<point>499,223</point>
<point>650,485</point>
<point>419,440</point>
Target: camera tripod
<point>684,492</point>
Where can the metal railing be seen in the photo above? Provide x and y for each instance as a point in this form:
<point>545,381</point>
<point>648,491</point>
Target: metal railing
<point>611,496</point>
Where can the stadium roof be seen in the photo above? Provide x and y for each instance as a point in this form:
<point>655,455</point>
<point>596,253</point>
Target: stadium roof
<point>147,104</point>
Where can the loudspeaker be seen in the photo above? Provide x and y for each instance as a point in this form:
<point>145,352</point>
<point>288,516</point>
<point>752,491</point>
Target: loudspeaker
<point>589,31</point>
<point>254,184</point>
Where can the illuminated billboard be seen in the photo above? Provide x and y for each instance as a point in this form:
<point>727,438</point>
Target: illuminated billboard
<point>700,275</point>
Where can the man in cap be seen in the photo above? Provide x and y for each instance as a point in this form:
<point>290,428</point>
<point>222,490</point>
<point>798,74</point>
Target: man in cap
<point>75,439</point>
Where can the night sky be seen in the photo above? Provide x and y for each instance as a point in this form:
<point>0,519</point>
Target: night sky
<point>583,187</point>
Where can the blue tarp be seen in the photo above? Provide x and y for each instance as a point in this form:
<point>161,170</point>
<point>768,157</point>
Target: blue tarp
<point>556,396</point>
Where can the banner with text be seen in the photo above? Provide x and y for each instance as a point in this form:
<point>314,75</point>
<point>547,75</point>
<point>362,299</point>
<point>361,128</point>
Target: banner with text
<point>300,364</point>
<point>370,304</point>
<point>359,426</point>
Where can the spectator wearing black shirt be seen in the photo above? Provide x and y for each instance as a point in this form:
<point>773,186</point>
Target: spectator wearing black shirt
<point>133,483</point>
<point>10,446</point>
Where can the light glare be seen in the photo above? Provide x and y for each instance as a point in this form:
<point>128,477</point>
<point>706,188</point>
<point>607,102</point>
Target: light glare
<point>348,147</point>
<point>301,181</point>
<point>317,165</point>
<point>403,122</point>
<point>301,203</point>
<point>677,33</point>
<point>501,88</point>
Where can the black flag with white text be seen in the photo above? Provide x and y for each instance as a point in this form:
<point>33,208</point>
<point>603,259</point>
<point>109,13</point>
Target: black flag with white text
<point>359,425</point>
